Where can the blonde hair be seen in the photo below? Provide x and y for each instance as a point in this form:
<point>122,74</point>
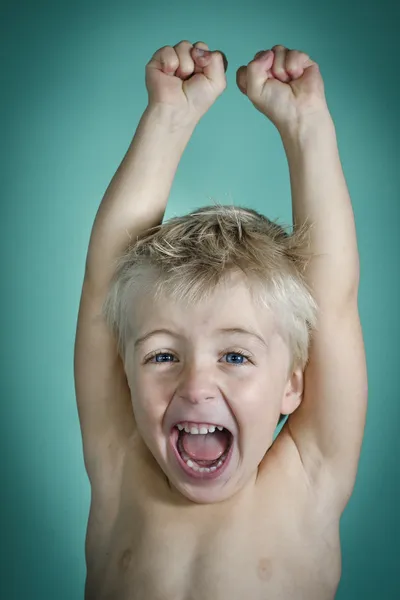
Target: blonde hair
<point>186,257</point>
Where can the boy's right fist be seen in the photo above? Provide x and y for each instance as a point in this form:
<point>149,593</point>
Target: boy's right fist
<point>183,81</point>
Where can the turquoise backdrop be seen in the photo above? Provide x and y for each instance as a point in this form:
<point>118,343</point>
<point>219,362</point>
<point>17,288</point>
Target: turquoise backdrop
<point>72,94</point>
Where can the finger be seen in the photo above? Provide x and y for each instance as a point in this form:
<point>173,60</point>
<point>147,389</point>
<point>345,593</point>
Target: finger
<point>295,62</point>
<point>213,66</point>
<point>252,78</point>
<point>241,79</point>
<point>224,60</point>
<point>186,63</point>
<point>279,65</point>
<point>165,59</point>
<point>202,46</point>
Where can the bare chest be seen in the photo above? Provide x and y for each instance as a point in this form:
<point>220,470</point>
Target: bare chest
<point>268,544</point>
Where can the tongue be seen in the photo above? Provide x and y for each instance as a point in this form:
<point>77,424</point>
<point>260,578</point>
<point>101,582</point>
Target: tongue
<point>207,446</point>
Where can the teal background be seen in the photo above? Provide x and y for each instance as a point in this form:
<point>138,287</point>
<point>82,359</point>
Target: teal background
<point>72,93</point>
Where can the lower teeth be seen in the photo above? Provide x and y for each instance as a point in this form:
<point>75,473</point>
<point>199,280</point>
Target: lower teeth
<point>193,465</point>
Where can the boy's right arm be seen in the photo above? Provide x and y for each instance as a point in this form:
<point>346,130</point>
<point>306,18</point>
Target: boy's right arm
<point>134,201</point>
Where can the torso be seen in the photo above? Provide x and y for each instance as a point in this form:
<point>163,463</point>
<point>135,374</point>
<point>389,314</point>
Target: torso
<point>277,539</point>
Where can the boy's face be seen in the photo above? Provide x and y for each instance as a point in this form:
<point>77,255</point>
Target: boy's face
<point>199,378</point>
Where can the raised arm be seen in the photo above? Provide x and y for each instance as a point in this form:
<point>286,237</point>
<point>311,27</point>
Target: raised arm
<point>327,428</point>
<point>137,196</point>
<point>134,202</point>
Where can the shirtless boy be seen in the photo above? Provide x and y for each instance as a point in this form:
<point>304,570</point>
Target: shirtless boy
<point>221,320</point>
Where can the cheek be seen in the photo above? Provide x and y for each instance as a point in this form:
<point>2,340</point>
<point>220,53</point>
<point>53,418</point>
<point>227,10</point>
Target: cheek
<point>257,402</point>
<point>149,401</point>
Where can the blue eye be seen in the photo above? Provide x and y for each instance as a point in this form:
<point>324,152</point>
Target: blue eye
<point>237,354</point>
<point>163,355</point>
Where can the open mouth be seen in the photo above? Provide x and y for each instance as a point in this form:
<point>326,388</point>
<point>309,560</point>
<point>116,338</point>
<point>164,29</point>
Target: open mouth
<point>198,468</point>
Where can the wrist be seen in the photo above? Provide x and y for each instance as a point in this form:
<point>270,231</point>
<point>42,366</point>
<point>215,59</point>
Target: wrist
<point>170,119</point>
<point>307,128</point>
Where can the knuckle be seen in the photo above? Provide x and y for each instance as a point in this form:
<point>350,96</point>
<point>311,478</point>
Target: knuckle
<point>292,61</point>
<point>170,51</point>
<point>251,69</point>
<point>202,45</point>
<point>295,58</point>
<point>168,56</point>
<point>166,49</point>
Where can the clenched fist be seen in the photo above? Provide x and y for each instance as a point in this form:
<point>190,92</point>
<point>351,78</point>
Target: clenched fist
<point>186,79</point>
<point>285,85</point>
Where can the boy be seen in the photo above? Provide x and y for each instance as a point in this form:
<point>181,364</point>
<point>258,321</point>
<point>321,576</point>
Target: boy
<point>191,500</point>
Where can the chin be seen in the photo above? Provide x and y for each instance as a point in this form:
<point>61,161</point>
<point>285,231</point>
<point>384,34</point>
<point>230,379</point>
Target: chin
<point>204,495</point>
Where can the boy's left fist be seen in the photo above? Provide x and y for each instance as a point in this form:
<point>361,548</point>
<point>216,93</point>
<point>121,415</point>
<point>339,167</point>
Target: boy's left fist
<point>285,85</point>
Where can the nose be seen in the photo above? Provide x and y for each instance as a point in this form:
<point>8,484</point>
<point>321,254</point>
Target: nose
<point>197,385</point>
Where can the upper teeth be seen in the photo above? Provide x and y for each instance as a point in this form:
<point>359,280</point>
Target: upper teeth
<point>201,429</point>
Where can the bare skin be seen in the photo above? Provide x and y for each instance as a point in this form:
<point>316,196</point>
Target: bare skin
<point>276,538</point>
<point>277,533</point>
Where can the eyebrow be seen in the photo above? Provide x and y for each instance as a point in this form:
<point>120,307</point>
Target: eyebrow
<point>238,330</point>
<point>243,332</point>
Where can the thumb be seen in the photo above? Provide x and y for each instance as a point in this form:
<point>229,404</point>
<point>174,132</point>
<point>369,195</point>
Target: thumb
<point>212,63</point>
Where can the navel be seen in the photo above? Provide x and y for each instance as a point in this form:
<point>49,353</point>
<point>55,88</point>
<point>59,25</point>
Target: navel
<point>264,569</point>
<point>125,559</point>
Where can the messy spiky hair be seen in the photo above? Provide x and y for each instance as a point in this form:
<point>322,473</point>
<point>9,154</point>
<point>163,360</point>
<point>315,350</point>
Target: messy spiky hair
<point>186,257</point>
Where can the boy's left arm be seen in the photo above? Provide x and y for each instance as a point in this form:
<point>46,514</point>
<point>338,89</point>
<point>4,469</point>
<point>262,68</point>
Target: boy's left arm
<point>328,426</point>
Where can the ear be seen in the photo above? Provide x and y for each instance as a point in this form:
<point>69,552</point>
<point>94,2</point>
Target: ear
<point>293,393</point>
